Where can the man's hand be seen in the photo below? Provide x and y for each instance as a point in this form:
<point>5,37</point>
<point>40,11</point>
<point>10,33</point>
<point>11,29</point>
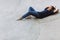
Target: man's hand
<point>56,10</point>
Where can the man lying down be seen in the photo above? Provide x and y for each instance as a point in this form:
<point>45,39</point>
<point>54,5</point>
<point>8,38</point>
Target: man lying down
<point>50,10</point>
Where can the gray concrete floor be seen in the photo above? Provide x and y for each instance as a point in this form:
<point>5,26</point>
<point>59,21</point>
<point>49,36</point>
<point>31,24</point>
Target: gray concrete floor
<point>28,29</point>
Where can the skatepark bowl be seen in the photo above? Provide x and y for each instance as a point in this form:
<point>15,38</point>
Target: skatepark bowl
<point>28,29</point>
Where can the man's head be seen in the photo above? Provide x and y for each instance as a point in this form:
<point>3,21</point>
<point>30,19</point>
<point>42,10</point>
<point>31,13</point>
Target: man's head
<point>51,8</point>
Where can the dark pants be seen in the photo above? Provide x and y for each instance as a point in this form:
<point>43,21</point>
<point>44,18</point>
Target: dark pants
<point>31,12</point>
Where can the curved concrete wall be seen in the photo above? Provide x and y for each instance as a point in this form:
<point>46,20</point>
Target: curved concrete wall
<point>29,29</point>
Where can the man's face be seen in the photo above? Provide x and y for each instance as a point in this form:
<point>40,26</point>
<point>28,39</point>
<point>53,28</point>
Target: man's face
<point>52,8</point>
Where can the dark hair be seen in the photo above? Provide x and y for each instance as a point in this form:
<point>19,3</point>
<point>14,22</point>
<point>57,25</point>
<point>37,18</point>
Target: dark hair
<point>53,8</point>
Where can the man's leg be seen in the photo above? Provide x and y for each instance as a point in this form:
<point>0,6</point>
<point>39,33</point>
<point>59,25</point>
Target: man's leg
<point>33,13</point>
<point>31,9</point>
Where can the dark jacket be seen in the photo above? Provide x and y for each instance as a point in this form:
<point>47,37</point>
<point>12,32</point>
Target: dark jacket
<point>45,13</point>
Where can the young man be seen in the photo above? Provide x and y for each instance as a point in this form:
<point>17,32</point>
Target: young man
<point>50,10</point>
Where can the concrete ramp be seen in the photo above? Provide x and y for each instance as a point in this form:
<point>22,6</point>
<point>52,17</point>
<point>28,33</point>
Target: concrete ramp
<point>28,29</point>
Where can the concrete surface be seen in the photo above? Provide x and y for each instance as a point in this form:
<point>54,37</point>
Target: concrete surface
<point>28,29</point>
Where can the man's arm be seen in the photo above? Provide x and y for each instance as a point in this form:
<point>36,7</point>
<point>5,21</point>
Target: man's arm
<point>56,11</point>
